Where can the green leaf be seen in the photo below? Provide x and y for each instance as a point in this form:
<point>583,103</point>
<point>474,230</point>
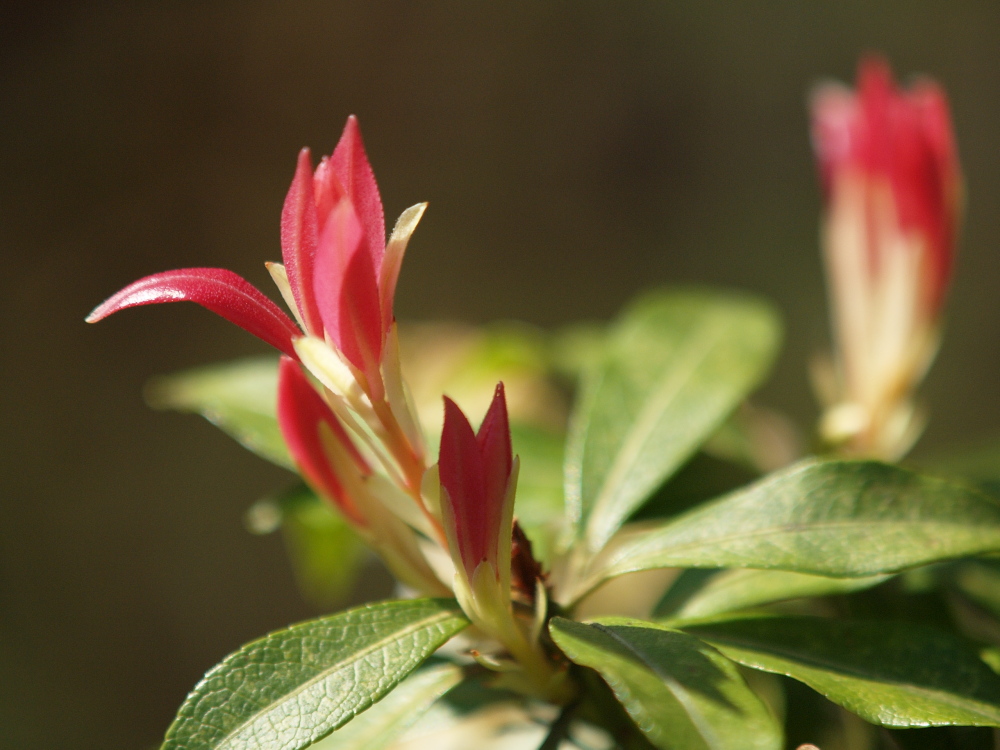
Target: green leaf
<point>386,720</point>
<point>675,366</point>
<point>832,518</point>
<point>888,673</point>
<point>681,692</point>
<point>539,507</point>
<point>295,686</point>
<point>327,554</point>
<point>731,590</point>
<point>238,397</point>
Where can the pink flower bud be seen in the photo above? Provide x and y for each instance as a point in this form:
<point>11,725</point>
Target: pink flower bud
<point>891,155</point>
<point>475,471</point>
<point>333,243</point>
<point>892,191</point>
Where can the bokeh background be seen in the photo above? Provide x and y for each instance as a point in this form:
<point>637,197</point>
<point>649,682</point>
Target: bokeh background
<point>572,153</point>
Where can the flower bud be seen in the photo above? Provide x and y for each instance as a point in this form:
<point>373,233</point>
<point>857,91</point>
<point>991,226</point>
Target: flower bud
<point>892,195</point>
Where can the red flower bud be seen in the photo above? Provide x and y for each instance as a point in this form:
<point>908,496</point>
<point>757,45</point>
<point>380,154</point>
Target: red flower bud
<point>475,471</point>
<point>892,189</point>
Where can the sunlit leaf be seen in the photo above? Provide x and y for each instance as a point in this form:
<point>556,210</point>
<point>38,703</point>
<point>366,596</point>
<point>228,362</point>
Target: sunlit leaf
<point>295,686</point>
<point>682,693</point>
<point>889,673</point>
<point>730,590</point>
<point>832,518</point>
<point>377,727</point>
<point>674,368</point>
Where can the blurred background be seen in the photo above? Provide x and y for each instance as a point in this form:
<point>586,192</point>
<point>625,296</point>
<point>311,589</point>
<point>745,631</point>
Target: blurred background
<point>573,153</point>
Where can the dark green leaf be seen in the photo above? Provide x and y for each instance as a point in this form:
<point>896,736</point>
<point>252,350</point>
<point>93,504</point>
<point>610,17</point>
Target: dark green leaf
<point>386,720</point>
<point>832,518</point>
<point>894,674</point>
<point>742,588</point>
<point>238,397</point>
<point>683,694</point>
<point>675,366</point>
<point>295,686</point>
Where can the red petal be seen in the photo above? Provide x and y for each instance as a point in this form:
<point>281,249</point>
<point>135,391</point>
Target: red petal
<point>301,411</point>
<point>909,142</point>
<point>328,190</point>
<point>347,291</point>
<point>932,109</point>
<point>350,163</point>
<point>493,440</point>
<point>223,292</point>
<point>460,468</point>
<point>901,139</point>
<point>299,235</point>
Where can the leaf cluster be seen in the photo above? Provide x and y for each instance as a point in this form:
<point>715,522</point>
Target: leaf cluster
<point>842,603</point>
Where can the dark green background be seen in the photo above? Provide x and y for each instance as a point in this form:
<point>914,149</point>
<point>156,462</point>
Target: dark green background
<point>572,153</point>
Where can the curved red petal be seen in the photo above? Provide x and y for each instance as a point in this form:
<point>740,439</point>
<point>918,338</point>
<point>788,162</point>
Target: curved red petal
<point>347,291</point>
<point>223,292</point>
<point>494,444</point>
<point>301,411</point>
<point>299,235</point>
<point>349,162</point>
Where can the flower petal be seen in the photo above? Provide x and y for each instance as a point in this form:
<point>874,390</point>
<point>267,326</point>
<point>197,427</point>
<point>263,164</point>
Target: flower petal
<point>394,251</point>
<point>301,412</point>
<point>223,292</point>
<point>494,444</point>
<point>461,471</point>
<point>347,292</point>
<point>350,163</point>
<point>299,235</point>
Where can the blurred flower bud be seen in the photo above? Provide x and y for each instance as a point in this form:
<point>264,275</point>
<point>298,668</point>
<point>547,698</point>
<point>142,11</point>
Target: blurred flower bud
<point>892,192</point>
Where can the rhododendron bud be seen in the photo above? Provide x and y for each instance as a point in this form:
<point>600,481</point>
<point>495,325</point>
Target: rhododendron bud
<point>476,471</point>
<point>892,189</point>
<point>338,278</point>
<point>478,476</point>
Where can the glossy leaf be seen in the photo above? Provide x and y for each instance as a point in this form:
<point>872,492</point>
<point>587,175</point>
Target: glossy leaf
<point>833,518</point>
<point>675,366</point>
<point>682,693</point>
<point>381,724</point>
<point>223,292</point>
<point>238,397</point>
<point>731,590</point>
<point>890,673</point>
<point>295,686</point>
